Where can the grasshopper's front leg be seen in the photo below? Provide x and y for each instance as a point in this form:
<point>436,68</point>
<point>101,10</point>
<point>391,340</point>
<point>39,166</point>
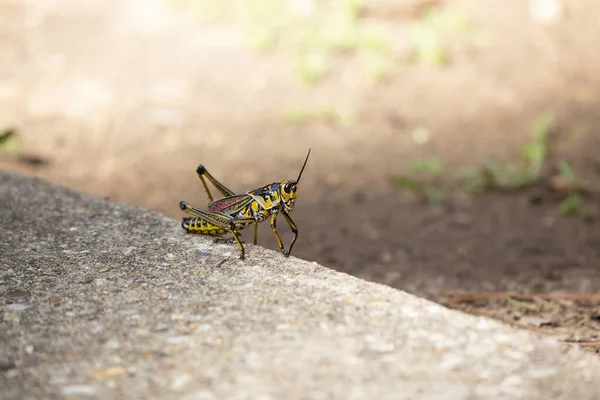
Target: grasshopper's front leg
<point>294,229</point>
<point>292,226</point>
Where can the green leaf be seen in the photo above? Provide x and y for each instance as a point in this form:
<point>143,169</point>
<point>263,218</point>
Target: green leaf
<point>565,171</point>
<point>570,204</point>
<point>430,165</point>
<point>435,196</point>
<point>296,115</point>
<point>541,126</point>
<point>8,142</point>
<point>409,183</point>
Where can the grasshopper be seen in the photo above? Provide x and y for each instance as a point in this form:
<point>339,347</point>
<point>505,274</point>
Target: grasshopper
<point>235,212</point>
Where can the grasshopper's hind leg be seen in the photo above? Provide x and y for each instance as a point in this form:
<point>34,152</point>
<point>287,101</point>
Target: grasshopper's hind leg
<point>213,224</point>
<point>201,226</point>
<point>202,172</point>
<point>229,240</point>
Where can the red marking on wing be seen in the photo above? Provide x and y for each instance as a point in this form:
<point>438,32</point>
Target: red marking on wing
<point>220,205</point>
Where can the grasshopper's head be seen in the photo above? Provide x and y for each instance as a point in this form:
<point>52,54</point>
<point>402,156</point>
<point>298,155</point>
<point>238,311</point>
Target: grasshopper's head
<point>288,189</point>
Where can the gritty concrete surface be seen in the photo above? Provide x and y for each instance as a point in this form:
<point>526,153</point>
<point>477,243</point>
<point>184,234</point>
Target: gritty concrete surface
<point>104,301</point>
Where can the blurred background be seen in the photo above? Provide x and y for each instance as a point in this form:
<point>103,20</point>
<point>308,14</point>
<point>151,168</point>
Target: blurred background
<point>454,143</point>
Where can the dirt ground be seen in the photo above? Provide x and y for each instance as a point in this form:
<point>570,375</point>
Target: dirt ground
<point>125,99</point>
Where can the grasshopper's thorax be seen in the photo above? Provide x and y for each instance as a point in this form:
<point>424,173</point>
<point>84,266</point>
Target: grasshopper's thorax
<point>274,197</point>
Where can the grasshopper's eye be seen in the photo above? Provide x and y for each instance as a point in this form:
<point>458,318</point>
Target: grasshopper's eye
<point>287,187</point>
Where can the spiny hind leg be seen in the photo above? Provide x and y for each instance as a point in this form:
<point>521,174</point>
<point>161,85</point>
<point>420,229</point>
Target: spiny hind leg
<point>202,172</point>
<point>200,226</point>
<point>214,224</point>
<point>230,240</point>
<point>235,238</point>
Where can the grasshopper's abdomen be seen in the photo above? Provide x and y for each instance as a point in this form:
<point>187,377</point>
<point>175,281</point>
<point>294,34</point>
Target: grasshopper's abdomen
<point>202,227</point>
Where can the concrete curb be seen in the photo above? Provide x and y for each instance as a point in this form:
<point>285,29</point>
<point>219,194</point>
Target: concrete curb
<point>102,301</point>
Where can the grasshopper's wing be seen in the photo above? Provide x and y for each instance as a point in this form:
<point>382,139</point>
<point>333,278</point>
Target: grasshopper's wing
<point>230,205</point>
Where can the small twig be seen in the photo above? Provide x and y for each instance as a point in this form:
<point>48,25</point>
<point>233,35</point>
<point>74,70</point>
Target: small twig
<point>469,297</point>
<point>522,304</point>
<point>484,313</point>
<point>586,345</point>
<point>582,340</point>
<point>590,345</point>
<point>221,262</point>
<point>459,301</point>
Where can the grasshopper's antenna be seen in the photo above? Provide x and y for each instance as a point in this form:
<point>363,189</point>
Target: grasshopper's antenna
<point>304,165</point>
